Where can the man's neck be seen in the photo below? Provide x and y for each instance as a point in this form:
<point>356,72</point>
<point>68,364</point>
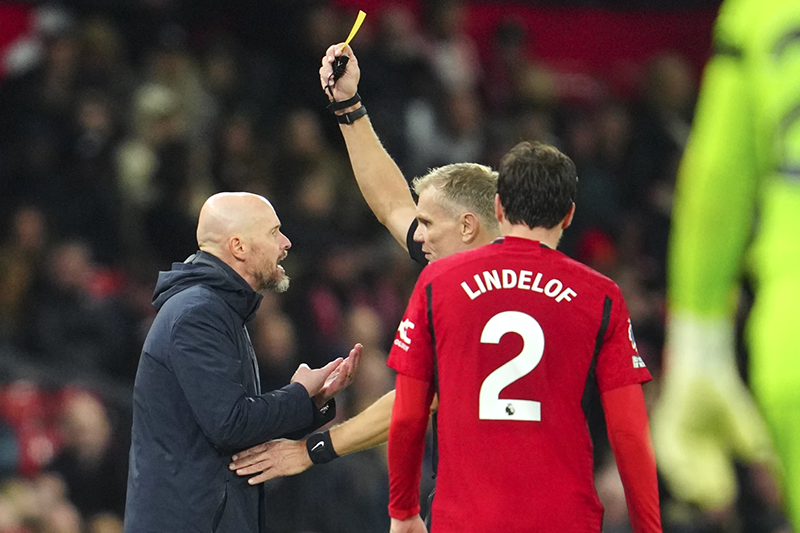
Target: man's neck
<point>548,237</point>
<point>485,238</point>
<point>237,266</point>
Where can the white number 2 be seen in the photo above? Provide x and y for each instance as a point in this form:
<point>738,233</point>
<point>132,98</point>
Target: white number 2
<point>490,406</point>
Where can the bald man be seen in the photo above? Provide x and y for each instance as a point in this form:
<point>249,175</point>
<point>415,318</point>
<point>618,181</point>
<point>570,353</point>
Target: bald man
<point>197,397</point>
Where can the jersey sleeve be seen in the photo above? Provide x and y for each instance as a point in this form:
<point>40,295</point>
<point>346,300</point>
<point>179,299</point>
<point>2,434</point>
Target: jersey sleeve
<point>717,180</point>
<point>629,436</point>
<point>618,360</point>
<point>414,247</point>
<point>412,349</point>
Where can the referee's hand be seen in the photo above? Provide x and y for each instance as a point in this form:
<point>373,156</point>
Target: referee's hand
<point>345,87</point>
<point>272,459</point>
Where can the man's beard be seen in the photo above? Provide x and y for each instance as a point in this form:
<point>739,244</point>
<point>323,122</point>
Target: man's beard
<point>277,281</point>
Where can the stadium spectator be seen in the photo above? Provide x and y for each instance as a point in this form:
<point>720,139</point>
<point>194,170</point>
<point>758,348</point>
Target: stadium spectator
<point>92,462</point>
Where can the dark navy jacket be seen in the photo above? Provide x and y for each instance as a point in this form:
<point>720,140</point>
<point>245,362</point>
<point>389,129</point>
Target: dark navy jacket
<point>197,400</point>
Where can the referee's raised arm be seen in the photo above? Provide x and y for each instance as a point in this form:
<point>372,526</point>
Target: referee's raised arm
<point>380,180</point>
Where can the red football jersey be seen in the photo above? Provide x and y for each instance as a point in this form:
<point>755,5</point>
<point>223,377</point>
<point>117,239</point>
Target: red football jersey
<point>518,337</point>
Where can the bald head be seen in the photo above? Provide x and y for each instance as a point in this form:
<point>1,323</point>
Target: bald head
<point>231,214</point>
<point>243,230</point>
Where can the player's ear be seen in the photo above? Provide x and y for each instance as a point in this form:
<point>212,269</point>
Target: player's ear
<point>567,220</point>
<point>470,227</point>
<point>499,212</point>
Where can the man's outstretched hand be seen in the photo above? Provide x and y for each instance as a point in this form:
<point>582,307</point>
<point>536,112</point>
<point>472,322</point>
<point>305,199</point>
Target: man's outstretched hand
<point>289,457</point>
<point>324,383</point>
<point>272,459</point>
<point>314,380</point>
<point>340,378</point>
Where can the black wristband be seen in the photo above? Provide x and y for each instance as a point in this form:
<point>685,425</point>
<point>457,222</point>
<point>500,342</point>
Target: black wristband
<point>344,104</point>
<point>320,448</point>
<point>349,118</point>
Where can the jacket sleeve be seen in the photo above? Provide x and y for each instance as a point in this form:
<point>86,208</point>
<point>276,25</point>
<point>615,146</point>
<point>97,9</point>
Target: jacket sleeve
<point>322,416</point>
<point>206,363</point>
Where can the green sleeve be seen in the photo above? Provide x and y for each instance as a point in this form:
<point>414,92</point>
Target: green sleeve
<point>715,194</point>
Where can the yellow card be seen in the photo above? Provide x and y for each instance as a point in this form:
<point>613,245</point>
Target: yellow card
<point>359,20</point>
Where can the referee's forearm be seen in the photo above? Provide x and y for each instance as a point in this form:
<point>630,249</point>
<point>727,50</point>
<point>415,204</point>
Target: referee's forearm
<point>365,430</point>
<point>379,178</point>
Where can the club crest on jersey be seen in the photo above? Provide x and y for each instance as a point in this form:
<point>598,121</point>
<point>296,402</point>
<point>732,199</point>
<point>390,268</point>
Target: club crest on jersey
<point>638,362</point>
<point>630,336</point>
<point>402,331</point>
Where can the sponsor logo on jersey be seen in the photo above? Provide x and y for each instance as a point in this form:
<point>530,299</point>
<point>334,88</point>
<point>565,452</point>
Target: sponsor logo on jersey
<point>638,362</point>
<point>402,331</point>
<point>404,326</point>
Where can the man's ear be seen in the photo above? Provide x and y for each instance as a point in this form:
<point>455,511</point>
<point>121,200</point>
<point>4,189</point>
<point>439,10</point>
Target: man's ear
<point>499,212</point>
<point>237,248</point>
<point>470,227</point>
<point>567,220</point>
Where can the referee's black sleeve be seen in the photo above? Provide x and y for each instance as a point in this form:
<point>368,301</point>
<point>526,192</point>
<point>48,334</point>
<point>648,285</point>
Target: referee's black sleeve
<point>414,247</point>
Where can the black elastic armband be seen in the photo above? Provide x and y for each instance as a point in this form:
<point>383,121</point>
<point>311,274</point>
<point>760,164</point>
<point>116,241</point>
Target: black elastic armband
<point>349,118</point>
<point>320,448</point>
<point>344,104</point>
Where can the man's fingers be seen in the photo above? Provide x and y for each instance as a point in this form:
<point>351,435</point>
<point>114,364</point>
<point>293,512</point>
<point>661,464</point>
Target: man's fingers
<point>330,52</point>
<point>302,369</point>
<point>341,376</point>
<point>355,355</point>
<point>245,462</point>
<point>326,69</point>
<point>340,49</point>
<point>337,50</point>
<point>330,367</point>
<point>356,351</point>
<point>348,368</point>
<point>352,360</point>
<point>255,468</point>
<point>251,451</point>
<point>262,477</point>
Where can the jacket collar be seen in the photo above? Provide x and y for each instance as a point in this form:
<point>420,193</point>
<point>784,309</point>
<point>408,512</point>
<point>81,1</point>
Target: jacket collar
<point>244,300</point>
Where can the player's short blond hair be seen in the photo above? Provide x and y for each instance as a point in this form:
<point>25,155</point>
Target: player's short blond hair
<point>463,187</point>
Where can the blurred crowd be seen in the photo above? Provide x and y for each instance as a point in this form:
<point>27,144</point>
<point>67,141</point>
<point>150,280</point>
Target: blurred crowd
<point>115,131</point>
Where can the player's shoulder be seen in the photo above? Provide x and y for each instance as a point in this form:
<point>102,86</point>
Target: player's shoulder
<point>580,268</point>
<point>576,271</point>
<point>488,256</point>
<point>754,24</point>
